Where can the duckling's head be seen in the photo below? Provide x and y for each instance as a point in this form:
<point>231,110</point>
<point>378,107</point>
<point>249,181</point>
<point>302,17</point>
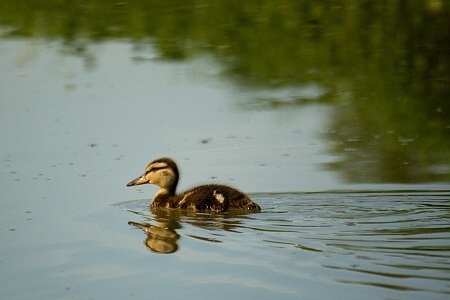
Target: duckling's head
<point>162,172</point>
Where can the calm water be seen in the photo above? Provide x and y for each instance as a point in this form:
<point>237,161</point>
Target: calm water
<point>69,148</point>
<point>387,245</point>
<point>341,134</point>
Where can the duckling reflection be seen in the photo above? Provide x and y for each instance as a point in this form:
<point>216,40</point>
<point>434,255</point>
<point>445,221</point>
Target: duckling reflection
<point>211,221</point>
<point>159,239</point>
<point>163,237</point>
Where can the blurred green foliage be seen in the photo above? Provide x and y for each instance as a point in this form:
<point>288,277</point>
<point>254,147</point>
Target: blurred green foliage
<point>385,64</point>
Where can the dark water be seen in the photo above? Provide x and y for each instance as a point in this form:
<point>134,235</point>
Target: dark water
<point>387,245</point>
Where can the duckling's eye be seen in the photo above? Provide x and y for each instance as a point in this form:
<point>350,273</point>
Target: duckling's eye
<point>150,170</point>
<point>154,169</point>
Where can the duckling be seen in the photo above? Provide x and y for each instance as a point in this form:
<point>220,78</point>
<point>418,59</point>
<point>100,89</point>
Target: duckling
<point>211,197</point>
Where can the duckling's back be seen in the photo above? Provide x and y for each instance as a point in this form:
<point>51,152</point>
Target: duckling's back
<point>211,197</point>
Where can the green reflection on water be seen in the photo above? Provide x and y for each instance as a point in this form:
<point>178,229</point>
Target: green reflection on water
<point>384,64</point>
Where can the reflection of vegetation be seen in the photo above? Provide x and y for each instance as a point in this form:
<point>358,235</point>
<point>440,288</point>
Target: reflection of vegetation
<point>385,62</point>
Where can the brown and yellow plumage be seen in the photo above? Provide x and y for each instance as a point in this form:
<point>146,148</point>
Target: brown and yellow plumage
<point>211,197</point>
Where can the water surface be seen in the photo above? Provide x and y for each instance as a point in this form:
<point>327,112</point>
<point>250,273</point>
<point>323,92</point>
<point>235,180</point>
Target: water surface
<point>317,245</point>
<point>334,118</point>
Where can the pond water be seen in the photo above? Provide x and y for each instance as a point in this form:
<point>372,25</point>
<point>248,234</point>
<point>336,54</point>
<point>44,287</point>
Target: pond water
<point>345,148</point>
<point>388,245</point>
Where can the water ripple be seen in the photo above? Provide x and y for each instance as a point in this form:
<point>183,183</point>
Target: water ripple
<point>395,241</point>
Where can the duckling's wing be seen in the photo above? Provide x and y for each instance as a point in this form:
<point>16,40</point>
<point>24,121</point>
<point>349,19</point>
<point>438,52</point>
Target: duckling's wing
<point>215,198</point>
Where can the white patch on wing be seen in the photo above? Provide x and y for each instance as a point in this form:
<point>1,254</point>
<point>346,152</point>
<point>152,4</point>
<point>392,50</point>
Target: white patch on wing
<point>219,197</point>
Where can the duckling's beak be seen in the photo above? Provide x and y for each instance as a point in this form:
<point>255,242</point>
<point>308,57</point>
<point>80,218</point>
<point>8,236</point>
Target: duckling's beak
<point>138,181</point>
